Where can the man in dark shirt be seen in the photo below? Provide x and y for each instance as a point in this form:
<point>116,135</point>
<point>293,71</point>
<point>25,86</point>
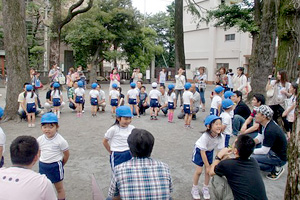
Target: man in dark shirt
<point>242,173</point>
<point>241,112</point>
<point>273,153</point>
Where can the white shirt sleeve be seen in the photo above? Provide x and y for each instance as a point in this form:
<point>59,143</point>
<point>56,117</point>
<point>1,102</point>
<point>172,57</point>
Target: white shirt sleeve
<point>260,138</point>
<point>110,133</point>
<point>263,150</point>
<point>221,144</point>
<point>202,142</point>
<point>64,144</point>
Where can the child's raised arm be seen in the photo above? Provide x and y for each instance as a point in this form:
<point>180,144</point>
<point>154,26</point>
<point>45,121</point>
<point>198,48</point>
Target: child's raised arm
<point>66,157</point>
<point>106,145</point>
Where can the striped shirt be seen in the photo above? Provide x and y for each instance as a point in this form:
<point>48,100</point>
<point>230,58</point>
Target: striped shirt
<point>141,178</point>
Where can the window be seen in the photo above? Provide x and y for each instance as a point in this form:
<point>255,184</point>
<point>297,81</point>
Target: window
<point>225,65</point>
<point>229,37</point>
<point>187,66</point>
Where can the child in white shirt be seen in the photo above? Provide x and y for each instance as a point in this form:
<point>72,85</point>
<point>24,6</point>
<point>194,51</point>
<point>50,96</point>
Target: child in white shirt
<point>154,96</point>
<point>94,99</point>
<point>57,98</point>
<point>227,105</point>
<point>29,105</point>
<point>187,105</point>
<point>133,98</point>
<point>171,102</point>
<point>79,98</point>
<point>215,107</point>
<point>114,98</point>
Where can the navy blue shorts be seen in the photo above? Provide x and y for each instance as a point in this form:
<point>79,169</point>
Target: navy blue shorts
<point>31,108</point>
<point>197,159</point>
<point>153,103</point>
<point>2,162</point>
<point>117,158</point>
<point>227,138</point>
<point>56,102</point>
<point>171,105</point>
<point>94,101</point>
<point>187,109</point>
<point>53,171</point>
<point>79,99</point>
<point>132,101</point>
<point>114,102</point>
<point>213,111</point>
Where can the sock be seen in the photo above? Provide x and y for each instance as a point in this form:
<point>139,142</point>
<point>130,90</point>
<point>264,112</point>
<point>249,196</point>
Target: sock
<point>171,118</point>
<point>205,185</point>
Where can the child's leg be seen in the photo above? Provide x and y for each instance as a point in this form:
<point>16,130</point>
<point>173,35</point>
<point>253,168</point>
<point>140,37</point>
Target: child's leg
<point>189,119</point>
<point>151,111</point>
<point>59,186</point>
<point>29,118</point>
<point>186,119</point>
<point>171,113</point>
<point>156,111</point>
<point>197,174</point>
<point>207,178</point>
<point>80,107</point>
<point>137,110</point>
<point>32,118</point>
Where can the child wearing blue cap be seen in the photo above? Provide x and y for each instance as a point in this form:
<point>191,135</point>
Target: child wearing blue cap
<point>79,97</point>
<point>94,99</point>
<point>216,101</point>
<point>171,102</point>
<point>115,138</point>
<point>154,96</point>
<point>54,151</point>
<point>2,140</point>
<point>29,105</point>
<point>133,98</point>
<point>204,151</point>
<point>187,104</point>
<point>114,98</point>
<point>227,106</point>
<point>57,98</point>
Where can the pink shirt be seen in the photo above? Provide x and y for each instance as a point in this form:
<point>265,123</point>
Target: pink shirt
<point>117,76</point>
<point>20,183</point>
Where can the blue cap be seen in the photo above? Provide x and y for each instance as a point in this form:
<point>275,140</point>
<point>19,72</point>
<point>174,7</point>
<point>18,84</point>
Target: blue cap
<point>228,94</point>
<point>94,85</point>
<point>49,118</point>
<point>29,87</point>
<point>80,84</point>
<point>132,84</point>
<point>227,103</point>
<point>123,111</point>
<point>219,89</point>
<point>171,87</point>
<point>56,85</point>
<point>1,112</point>
<point>187,86</point>
<point>210,118</point>
<point>114,85</point>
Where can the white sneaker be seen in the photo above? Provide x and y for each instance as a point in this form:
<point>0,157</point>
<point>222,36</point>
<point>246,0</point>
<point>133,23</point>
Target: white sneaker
<point>195,193</point>
<point>205,192</point>
<point>32,125</point>
<point>29,125</point>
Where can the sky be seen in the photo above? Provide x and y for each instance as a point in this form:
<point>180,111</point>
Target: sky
<point>152,6</point>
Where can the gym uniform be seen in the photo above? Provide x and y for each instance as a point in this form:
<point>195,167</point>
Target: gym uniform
<point>94,94</point>
<point>215,103</point>
<point>114,96</point>
<point>187,96</point>
<point>171,99</point>
<point>55,96</point>
<point>133,94</point>
<point>79,92</point>
<point>154,94</point>
<point>30,102</point>
<point>227,120</point>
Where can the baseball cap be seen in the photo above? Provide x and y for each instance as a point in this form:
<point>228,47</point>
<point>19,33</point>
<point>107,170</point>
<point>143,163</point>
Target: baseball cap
<point>210,118</point>
<point>227,103</point>
<point>219,89</point>
<point>228,94</point>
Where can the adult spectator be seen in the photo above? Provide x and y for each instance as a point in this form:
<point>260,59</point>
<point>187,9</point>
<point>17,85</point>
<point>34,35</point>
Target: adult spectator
<point>139,85</point>
<point>200,80</point>
<point>141,177</point>
<point>21,98</point>
<point>49,104</point>
<point>221,78</point>
<point>280,87</point>
<point>114,78</point>
<point>34,76</point>
<point>162,77</point>
<point>136,75</point>
<point>102,103</point>
<point>75,75</point>
<point>179,85</point>
<point>241,112</point>
<point>196,103</point>
<point>19,181</point>
<point>163,100</point>
<point>53,74</point>
<point>273,153</point>
<point>240,81</point>
<point>71,92</point>
<point>70,78</point>
<point>242,173</point>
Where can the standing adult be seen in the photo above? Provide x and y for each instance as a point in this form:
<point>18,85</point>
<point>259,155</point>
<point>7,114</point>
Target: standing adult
<point>240,81</point>
<point>136,75</point>
<point>70,78</point>
<point>273,153</point>
<point>221,77</point>
<point>53,74</point>
<point>34,75</point>
<point>200,80</point>
<point>280,87</point>
<point>114,78</point>
<point>162,77</point>
<point>179,85</point>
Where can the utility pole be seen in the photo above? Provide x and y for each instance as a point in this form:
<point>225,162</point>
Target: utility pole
<point>46,60</point>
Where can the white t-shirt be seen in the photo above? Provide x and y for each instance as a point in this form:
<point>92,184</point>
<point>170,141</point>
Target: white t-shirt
<point>180,81</point>
<point>102,95</point>
<point>289,102</point>
<point>230,80</point>
<point>201,81</point>
<point>20,100</point>
<point>117,137</point>
<point>281,88</point>
<point>21,183</point>
<point>154,94</point>
<point>196,100</point>
<point>52,148</point>
<point>30,99</point>
<point>133,93</point>
<point>162,77</point>
<point>2,140</point>
<point>79,92</point>
<point>207,143</point>
<point>172,97</point>
<point>164,98</point>
<point>55,94</point>
<point>187,96</point>
<point>94,93</point>
<point>227,121</point>
<point>114,94</point>
<point>216,102</point>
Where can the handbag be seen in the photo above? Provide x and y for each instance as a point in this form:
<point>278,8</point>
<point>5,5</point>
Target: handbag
<point>38,84</point>
<point>62,79</point>
<point>270,92</point>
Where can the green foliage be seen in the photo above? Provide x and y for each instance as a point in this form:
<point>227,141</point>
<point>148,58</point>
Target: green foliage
<point>36,56</point>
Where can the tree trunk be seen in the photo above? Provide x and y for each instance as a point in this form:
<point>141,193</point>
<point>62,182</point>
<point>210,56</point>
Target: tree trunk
<point>179,39</point>
<point>115,59</point>
<point>264,52</point>
<point>16,53</point>
<point>54,51</point>
<point>95,63</point>
<point>288,38</point>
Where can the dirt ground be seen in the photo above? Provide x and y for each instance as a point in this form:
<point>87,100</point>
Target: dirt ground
<point>173,145</point>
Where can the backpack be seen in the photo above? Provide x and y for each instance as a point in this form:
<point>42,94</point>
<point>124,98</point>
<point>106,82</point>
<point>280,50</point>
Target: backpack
<point>38,84</point>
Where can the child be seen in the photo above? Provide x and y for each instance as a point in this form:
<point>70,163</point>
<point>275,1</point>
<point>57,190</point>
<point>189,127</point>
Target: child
<point>171,102</point>
<point>122,97</point>
<point>114,97</point>
<point>227,106</point>
<point>94,98</point>
<point>204,151</point>
<point>216,102</point>
<point>57,98</point>
<point>79,98</point>
<point>187,105</point>
<point>2,140</point>
<point>289,112</point>
<point>154,96</point>
<point>115,139</point>
<point>54,153</point>
<point>29,105</point>
<point>143,103</point>
<point>133,98</point>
